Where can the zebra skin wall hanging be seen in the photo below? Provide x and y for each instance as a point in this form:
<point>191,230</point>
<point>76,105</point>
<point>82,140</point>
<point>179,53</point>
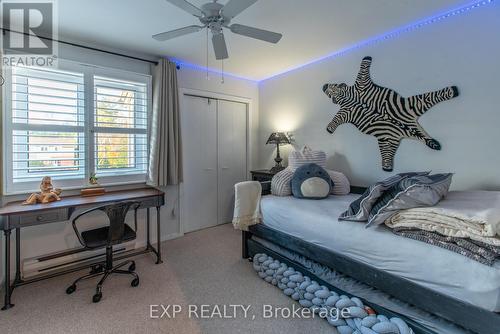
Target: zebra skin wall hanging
<point>383,113</point>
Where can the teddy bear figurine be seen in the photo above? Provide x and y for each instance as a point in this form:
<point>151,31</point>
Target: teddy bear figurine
<point>47,193</point>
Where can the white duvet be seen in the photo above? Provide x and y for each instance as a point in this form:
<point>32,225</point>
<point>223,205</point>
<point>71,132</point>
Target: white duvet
<point>463,214</point>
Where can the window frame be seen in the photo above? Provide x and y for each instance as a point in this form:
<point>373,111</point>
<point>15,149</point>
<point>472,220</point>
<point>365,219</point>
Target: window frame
<point>89,130</point>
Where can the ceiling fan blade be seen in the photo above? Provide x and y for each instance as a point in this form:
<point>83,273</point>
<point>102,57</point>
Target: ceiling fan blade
<point>188,7</point>
<point>263,35</point>
<point>165,36</point>
<point>220,47</point>
<point>235,7</point>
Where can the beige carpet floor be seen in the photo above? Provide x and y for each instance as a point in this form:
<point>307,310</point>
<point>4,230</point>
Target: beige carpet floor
<point>203,267</point>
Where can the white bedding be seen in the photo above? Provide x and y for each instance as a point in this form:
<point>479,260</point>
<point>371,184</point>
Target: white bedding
<point>315,221</point>
<point>462,214</point>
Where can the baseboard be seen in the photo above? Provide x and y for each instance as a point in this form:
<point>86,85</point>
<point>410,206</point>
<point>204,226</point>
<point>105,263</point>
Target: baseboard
<point>140,244</point>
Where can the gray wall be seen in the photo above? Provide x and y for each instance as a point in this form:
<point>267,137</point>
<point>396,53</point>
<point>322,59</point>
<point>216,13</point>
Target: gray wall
<point>462,51</point>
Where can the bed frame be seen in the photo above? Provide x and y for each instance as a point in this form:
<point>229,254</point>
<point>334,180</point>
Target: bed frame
<point>461,313</point>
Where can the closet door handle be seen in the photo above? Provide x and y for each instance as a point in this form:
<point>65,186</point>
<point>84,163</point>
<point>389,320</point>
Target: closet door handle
<point>208,169</point>
<point>224,168</point>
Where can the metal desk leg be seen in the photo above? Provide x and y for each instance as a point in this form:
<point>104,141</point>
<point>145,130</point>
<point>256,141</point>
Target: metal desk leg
<point>7,304</point>
<point>18,256</point>
<point>158,236</point>
<point>148,241</point>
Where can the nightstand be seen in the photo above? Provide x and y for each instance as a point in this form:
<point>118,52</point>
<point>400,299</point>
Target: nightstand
<point>264,176</point>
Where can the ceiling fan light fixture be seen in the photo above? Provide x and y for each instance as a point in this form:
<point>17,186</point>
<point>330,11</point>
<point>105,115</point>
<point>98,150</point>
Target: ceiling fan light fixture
<point>215,17</point>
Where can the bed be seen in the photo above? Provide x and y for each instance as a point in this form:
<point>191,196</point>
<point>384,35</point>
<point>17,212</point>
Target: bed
<point>434,279</point>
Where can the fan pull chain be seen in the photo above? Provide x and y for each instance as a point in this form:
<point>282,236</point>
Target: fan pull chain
<point>222,73</point>
<point>208,77</point>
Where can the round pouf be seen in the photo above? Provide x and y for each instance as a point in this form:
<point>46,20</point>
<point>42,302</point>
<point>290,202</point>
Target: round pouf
<point>347,314</point>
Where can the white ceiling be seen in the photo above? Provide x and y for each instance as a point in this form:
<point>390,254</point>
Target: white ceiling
<point>311,28</point>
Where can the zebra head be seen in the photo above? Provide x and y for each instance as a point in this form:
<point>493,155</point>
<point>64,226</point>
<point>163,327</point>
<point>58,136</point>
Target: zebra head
<point>335,91</point>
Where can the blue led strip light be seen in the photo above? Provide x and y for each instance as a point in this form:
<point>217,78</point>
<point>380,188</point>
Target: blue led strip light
<point>182,63</point>
<point>368,42</point>
<point>389,35</point>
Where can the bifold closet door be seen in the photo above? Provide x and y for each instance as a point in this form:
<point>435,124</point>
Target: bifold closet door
<point>199,137</point>
<point>232,154</point>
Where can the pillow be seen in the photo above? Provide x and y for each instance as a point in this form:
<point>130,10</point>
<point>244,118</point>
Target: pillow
<point>281,183</point>
<point>305,156</point>
<point>341,183</point>
<point>311,181</point>
<point>412,192</point>
<point>359,210</point>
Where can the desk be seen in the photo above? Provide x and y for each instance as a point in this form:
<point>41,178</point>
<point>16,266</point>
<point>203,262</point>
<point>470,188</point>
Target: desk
<point>17,216</point>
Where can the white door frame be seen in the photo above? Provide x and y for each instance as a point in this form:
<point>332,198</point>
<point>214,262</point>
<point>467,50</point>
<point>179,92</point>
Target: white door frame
<point>216,96</point>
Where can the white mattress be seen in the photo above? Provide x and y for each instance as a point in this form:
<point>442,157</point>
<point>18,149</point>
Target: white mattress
<point>316,221</point>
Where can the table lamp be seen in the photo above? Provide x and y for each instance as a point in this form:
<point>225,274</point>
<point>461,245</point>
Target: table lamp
<point>278,138</point>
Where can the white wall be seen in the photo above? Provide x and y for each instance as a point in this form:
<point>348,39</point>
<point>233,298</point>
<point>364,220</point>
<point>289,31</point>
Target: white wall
<point>86,56</point>
<point>462,51</point>
<point>60,236</point>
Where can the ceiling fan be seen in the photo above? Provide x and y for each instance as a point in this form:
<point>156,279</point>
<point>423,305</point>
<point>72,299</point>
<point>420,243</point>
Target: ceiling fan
<point>215,17</point>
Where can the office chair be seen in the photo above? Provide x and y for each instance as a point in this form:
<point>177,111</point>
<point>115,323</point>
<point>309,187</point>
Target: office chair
<point>117,232</point>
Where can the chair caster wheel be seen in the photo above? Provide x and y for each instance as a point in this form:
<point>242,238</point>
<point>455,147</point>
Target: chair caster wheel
<point>131,267</point>
<point>135,282</point>
<point>71,289</point>
<point>97,297</point>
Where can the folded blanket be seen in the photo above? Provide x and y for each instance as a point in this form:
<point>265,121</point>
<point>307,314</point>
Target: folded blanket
<point>246,204</point>
<point>462,214</point>
<point>475,250</point>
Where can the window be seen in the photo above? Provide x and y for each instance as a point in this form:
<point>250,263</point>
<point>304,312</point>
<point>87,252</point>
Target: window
<point>120,127</point>
<point>74,121</point>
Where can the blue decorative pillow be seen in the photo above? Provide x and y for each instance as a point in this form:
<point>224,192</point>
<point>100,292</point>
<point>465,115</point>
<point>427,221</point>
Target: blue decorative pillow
<point>359,210</point>
<point>413,192</point>
<point>311,181</point>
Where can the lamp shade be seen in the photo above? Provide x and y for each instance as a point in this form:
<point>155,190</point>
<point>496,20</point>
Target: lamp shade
<point>278,138</point>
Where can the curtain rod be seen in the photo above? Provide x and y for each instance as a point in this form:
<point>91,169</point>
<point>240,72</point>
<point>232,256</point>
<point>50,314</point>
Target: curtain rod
<point>83,46</point>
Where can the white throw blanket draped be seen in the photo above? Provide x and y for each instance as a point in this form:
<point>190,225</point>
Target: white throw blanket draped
<point>462,214</point>
<point>246,204</point>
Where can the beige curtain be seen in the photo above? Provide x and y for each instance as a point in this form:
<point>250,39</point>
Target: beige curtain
<point>165,162</point>
<point>2,81</point>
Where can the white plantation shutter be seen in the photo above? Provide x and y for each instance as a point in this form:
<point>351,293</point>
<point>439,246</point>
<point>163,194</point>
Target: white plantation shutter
<point>47,118</point>
<point>73,121</point>
<point>120,127</point>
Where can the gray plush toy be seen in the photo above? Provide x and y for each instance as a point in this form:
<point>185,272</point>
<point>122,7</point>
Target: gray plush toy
<point>311,181</point>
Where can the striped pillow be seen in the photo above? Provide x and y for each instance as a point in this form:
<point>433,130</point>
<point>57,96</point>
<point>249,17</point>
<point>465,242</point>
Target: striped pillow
<point>359,210</point>
<point>305,156</point>
<point>281,183</point>
<point>412,192</point>
<point>341,185</point>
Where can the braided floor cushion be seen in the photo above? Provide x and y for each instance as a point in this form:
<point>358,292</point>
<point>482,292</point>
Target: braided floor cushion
<point>347,315</point>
